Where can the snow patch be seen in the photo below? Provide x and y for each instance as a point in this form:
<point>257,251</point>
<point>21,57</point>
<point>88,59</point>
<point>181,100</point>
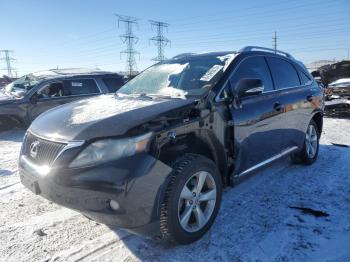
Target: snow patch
<point>254,222</point>
<point>103,107</point>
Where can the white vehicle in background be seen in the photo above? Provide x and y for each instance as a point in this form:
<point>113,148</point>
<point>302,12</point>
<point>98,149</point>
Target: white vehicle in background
<point>339,89</point>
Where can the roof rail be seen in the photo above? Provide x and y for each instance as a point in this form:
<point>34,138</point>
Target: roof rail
<point>252,48</point>
<point>183,55</point>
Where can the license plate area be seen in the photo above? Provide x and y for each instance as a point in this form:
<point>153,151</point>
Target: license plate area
<point>30,183</point>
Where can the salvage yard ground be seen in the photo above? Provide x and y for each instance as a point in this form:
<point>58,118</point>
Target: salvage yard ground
<point>284,213</point>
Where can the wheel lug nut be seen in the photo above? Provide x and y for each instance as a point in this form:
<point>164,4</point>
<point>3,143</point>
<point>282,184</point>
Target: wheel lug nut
<point>194,193</point>
<point>191,202</point>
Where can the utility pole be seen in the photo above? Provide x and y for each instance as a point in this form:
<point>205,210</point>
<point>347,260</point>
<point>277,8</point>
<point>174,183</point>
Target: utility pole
<point>129,39</point>
<point>274,42</point>
<point>159,40</point>
<point>7,58</point>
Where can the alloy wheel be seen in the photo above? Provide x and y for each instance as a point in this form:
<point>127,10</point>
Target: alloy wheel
<point>197,201</point>
<point>311,141</point>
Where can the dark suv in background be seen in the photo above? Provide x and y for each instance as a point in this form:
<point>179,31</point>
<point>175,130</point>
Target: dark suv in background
<point>27,97</point>
<point>154,157</point>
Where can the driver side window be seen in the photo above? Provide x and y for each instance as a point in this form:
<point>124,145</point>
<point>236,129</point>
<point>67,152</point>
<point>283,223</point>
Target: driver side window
<point>253,67</point>
<point>51,90</point>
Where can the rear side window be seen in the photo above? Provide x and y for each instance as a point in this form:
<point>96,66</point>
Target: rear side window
<point>80,87</point>
<point>304,78</point>
<point>253,67</point>
<point>283,73</point>
<point>113,83</point>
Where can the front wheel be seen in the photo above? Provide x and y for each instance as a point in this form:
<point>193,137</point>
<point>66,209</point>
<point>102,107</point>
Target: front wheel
<point>309,153</point>
<point>192,199</point>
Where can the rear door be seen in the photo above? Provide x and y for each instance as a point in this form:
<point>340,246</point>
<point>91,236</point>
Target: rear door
<point>256,133</point>
<point>293,98</point>
<point>57,93</point>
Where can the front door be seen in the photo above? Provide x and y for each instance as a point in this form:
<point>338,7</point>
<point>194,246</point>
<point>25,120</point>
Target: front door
<point>256,122</point>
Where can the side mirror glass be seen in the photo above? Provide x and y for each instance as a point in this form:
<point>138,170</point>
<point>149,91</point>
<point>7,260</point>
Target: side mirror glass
<point>248,87</point>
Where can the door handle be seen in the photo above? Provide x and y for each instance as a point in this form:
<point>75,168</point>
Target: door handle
<point>277,106</point>
<point>309,98</point>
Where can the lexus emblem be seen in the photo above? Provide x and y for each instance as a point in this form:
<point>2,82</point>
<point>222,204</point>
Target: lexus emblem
<point>34,149</point>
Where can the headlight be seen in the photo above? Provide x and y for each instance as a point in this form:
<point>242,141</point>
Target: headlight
<point>111,149</point>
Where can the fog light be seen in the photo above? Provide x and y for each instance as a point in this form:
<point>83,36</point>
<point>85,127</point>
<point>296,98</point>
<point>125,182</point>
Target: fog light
<point>114,204</point>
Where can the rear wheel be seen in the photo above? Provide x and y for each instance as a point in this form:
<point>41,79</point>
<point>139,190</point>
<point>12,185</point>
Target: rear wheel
<point>309,153</point>
<point>192,199</point>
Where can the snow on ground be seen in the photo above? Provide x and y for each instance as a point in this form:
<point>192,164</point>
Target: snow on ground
<point>255,222</point>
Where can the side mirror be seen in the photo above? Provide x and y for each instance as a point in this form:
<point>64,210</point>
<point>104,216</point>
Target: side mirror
<point>248,87</point>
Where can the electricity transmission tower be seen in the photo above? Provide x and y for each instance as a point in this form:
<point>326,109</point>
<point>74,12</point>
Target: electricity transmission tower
<point>7,58</point>
<point>159,40</point>
<point>274,42</point>
<point>129,39</point>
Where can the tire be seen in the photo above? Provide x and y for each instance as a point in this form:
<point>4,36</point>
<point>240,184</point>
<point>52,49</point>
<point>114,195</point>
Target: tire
<point>181,219</point>
<point>308,156</point>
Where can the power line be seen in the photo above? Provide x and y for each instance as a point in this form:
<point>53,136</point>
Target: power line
<point>219,15</point>
<point>274,42</point>
<point>159,40</point>
<point>297,39</point>
<point>7,58</point>
<point>129,39</point>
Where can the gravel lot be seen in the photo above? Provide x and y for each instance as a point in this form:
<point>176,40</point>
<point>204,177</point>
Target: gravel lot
<point>255,223</point>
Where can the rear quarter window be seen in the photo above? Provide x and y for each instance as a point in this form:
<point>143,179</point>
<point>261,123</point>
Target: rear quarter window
<point>113,83</point>
<point>283,73</point>
<point>304,78</point>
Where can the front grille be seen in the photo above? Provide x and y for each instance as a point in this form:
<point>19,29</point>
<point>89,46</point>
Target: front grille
<point>46,151</point>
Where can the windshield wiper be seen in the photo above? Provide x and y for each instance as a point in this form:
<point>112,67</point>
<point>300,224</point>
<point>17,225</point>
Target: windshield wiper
<point>144,95</point>
<point>134,95</point>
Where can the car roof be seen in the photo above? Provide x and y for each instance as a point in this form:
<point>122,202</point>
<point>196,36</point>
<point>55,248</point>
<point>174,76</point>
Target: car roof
<point>71,72</point>
<point>190,55</point>
<point>245,50</point>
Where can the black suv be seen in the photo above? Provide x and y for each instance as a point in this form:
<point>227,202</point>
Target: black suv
<point>154,157</point>
<point>27,97</point>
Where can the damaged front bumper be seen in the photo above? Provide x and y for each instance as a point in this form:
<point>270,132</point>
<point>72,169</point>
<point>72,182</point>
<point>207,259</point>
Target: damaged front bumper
<point>125,193</point>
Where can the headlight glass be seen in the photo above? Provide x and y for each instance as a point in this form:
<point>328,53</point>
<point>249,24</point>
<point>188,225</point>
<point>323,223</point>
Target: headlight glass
<point>111,149</point>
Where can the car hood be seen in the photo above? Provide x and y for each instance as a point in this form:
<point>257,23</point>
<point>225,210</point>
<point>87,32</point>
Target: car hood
<point>103,116</point>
